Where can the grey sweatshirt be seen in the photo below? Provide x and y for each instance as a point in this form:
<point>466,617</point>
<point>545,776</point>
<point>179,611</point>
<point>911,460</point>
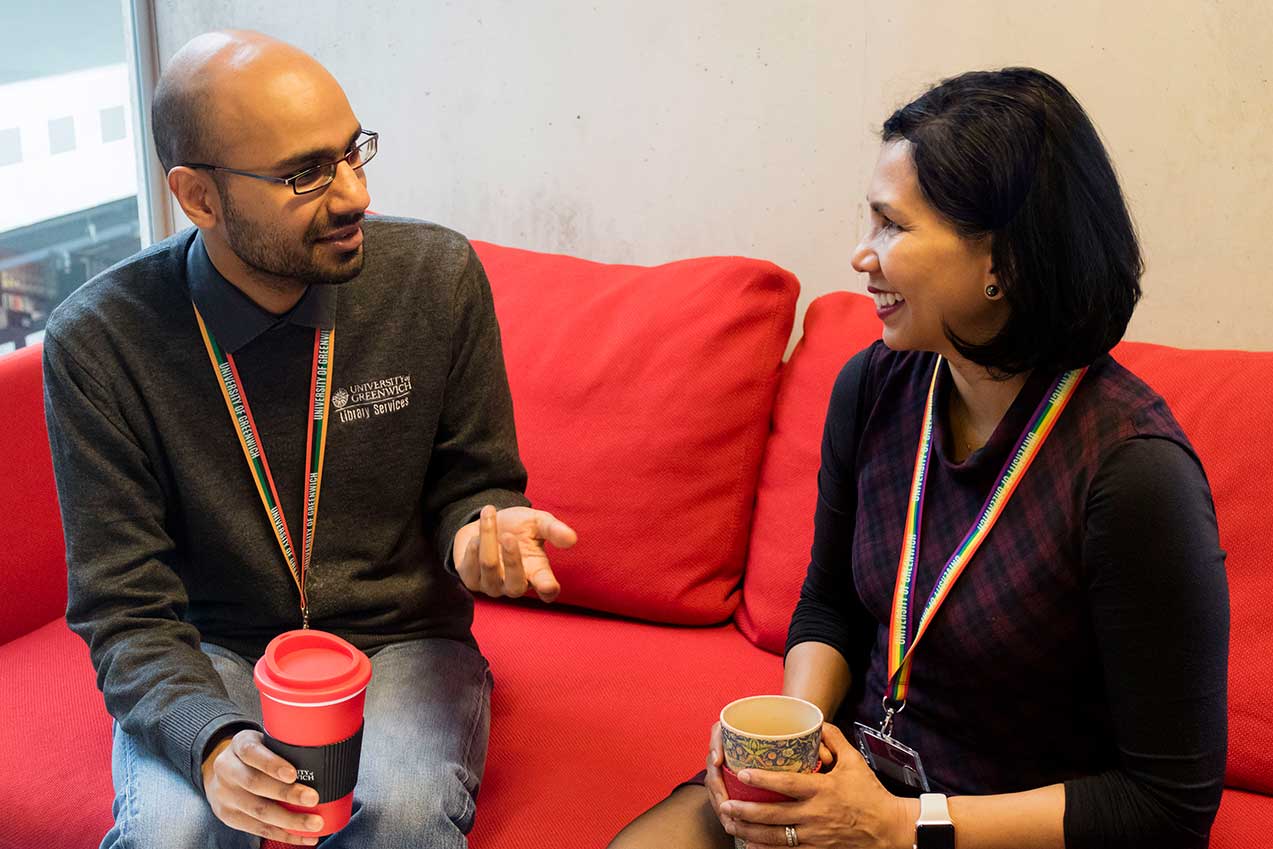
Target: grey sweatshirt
<point>167,541</point>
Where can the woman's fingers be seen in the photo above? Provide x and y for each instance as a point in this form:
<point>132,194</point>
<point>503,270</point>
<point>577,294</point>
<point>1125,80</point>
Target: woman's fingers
<point>765,813</point>
<point>761,836</point>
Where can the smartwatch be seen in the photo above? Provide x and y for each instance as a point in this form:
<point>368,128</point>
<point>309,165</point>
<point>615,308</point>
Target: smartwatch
<point>933,829</point>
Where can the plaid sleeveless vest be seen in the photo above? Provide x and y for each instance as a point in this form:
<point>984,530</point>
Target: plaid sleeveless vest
<point>1007,690</point>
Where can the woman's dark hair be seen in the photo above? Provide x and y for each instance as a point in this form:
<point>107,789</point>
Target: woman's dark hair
<point>1011,156</point>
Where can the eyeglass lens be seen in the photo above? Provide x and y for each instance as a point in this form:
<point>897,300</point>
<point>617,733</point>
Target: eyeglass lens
<point>317,178</point>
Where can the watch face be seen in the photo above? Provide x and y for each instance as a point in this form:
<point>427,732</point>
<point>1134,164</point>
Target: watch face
<point>935,836</point>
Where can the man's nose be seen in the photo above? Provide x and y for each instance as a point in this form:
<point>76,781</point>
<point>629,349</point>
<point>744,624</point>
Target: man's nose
<point>347,193</point>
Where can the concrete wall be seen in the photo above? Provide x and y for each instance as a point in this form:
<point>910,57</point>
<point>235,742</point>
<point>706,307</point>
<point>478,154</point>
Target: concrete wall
<point>650,130</point>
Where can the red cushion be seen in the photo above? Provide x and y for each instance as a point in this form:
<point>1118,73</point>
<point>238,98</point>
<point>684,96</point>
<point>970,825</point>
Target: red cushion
<point>55,741</point>
<point>33,557</point>
<point>642,399</point>
<point>836,327</point>
<point>1224,402</point>
<point>1243,821</point>
<point>594,719</point>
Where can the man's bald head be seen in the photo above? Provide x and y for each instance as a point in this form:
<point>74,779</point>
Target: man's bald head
<point>213,87</point>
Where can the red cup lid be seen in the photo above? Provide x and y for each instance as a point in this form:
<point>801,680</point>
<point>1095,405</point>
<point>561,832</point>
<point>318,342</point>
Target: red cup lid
<point>311,667</point>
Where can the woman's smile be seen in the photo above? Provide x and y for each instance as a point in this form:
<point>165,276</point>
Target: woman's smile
<point>886,303</point>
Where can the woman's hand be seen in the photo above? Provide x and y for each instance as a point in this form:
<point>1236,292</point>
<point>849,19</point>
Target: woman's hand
<point>826,756</point>
<point>846,808</point>
<point>715,781</point>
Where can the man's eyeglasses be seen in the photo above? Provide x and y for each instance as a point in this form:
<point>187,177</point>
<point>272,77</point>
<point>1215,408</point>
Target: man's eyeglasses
<point>315,178</point>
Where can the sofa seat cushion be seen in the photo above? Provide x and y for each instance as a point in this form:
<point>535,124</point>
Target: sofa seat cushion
<point>1242,822</point>
<point>836,326</point>
<point>55,742</point>
<point>1224,402</point>
<point>594,719</point>
<point>642,398</point>
<point>33,558</point>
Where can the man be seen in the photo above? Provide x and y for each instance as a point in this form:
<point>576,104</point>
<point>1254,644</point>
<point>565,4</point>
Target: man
<point>386,397</point>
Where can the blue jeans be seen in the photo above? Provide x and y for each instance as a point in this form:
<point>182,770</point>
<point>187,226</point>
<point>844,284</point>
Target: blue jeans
<point>424,747</point>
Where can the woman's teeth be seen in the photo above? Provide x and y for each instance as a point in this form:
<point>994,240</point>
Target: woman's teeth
<point>887,299</point>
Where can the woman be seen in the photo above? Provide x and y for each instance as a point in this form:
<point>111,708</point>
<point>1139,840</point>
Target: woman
<point>1068,689</point>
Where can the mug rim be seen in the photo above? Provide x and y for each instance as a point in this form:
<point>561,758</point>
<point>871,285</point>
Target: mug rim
<point>814,727</point>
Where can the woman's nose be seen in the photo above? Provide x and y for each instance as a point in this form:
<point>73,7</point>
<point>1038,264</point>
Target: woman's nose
<point>864,258</point>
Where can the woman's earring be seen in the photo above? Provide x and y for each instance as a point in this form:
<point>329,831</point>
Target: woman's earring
<point>992,291</point>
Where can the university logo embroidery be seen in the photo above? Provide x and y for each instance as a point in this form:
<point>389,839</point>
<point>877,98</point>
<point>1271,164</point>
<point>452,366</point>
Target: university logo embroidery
<point>372,398</point>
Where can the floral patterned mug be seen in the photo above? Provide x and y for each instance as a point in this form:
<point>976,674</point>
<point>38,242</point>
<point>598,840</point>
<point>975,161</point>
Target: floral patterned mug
<point>780,733</point>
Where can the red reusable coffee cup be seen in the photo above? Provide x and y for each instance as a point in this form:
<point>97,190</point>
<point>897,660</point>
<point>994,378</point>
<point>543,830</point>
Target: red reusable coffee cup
<point>312,687</point>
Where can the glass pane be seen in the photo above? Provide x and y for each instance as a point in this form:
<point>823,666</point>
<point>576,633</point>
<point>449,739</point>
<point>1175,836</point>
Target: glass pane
<point>68,170</point>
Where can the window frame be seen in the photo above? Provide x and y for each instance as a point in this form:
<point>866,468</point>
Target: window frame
<point>154,204</point>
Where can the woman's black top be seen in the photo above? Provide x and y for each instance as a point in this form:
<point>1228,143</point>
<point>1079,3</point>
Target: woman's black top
<point>1086,643</point>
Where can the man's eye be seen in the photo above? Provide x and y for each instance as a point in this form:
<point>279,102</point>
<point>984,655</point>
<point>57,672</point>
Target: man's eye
<point>309,178</point>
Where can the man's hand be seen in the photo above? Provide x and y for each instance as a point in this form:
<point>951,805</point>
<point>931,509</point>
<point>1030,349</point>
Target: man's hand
<point>244,783</point>
<point>502,553</point>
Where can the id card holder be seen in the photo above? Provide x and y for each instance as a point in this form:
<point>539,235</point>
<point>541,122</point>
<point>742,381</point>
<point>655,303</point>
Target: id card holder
<point>888,757</point>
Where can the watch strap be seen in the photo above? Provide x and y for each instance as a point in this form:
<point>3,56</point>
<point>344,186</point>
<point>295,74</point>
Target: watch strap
<point>933,829</point>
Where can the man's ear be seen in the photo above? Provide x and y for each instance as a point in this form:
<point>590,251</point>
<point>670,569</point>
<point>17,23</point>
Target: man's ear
<point>194,191</point>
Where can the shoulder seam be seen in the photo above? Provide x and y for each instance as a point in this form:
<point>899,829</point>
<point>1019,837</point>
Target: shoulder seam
<point>57,343</point>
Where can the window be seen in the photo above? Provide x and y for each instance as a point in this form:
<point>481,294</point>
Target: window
<point>114,127</point>
<point>68,184</point>
<point>61,135</point>
<point>10,146</point>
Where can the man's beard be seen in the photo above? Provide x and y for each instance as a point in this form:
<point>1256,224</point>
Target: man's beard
<point>268,250</point>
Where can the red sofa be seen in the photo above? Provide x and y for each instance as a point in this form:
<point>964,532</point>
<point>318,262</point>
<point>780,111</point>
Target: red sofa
<point>655,415</point>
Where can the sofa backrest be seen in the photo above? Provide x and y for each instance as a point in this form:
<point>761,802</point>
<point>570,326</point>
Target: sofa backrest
<point>32,555</point>
<point>836,326</point>
<point>1224,402</point>
<point>642,398</point>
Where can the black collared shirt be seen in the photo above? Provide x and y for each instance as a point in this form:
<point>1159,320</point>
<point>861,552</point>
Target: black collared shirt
<point>234,319</point>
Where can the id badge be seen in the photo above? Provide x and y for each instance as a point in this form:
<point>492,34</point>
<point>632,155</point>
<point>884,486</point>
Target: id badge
<point>888,757</point>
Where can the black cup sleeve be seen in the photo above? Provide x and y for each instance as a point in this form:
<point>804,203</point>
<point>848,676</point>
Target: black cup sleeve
<point>332,770</point>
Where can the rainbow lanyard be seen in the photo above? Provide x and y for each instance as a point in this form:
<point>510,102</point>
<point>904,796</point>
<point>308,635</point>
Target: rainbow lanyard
<point>254,451</point>
<point>1028,446</point>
